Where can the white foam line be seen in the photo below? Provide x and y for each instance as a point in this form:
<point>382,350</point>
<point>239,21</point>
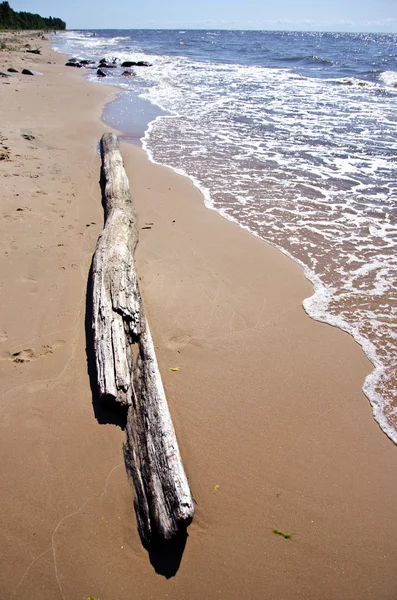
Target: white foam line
<point>320,293</point>
<point>320,290</point>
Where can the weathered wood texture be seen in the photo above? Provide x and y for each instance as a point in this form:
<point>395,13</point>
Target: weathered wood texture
<point>164,504</point>
<point>116,298</point>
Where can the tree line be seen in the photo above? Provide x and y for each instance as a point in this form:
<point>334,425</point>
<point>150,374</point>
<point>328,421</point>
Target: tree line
<point>10,19</point>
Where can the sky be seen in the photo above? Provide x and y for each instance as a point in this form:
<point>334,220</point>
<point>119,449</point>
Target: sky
<point>299,15</point>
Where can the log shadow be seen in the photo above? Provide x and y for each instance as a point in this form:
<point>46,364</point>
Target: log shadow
<point>166,556</point>
<point>105,414</point>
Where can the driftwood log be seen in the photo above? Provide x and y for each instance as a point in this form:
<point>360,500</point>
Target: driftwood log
<point>164,504</point>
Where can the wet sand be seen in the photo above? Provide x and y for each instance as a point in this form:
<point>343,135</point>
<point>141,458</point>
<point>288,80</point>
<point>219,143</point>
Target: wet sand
<point>274,430</point>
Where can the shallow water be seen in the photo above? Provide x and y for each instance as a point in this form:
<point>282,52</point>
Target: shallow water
<point>294,137</point>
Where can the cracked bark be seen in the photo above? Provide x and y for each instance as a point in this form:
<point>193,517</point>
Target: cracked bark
<point>164,504</point>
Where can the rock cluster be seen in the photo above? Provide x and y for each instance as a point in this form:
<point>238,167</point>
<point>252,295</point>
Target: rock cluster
<point>12,70</point>
<point>106,63</point>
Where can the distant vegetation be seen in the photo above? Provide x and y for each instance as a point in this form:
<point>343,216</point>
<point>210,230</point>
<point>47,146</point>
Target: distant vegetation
<point>9,19</point>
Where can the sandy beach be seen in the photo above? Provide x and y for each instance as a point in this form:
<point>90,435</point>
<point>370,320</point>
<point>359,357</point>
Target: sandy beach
<point>274,429</point>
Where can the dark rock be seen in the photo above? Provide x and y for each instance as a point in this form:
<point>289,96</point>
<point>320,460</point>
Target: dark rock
<point>27,72</point>
<point>108,65</point>
<point>128,73</point>
<point>100,73</point>
<point>12,70</point>
<point>79,62</point>
<point>73,64</point>
<point>113,60</point>
<point>132,63</point>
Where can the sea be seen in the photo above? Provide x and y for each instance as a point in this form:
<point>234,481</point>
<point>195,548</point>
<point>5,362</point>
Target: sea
<point>293,136</point>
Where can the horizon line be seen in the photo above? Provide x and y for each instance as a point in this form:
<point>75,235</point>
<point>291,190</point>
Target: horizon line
<point>226,29</point>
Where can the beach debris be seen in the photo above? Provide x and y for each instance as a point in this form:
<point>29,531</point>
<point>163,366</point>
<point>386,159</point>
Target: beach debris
<point>164,505</point>
<point>146,227</point>
<point>135,63</point>
<point>174,369</point>
<point>27,72</point>
<point>73,63</point>
<point>286,536</point>
<point>216,488</point>
<point>100,73</point>
<point>28,136</point>
<point>35,51</point>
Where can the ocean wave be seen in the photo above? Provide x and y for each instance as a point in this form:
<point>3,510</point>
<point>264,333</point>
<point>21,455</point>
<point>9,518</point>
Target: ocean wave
<point>352,81</point>
<point>305,163</point>
<point>389,78</point>
<point>311,59</point>
<point>316,306</point>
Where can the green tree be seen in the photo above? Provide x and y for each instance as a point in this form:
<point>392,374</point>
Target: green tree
<point>9,19</point>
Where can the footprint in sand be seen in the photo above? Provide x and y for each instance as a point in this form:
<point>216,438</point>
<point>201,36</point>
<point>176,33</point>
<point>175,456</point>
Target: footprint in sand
<point>3,336</point>
<point>29,354</point>
<point>23,356</point>
<point>179,341</point>
<point>50,349</point>
<point>32,281</point>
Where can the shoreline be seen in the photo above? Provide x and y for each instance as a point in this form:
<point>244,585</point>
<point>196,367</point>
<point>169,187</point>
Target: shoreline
<point>319,289</point>
<point>266,404</point>
<point>374,398</point>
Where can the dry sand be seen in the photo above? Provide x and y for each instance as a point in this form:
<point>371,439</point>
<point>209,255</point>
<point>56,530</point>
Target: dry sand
<point>267,403</point>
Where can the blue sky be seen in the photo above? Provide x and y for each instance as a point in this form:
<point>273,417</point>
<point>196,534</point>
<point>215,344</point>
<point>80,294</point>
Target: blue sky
<point>306,15</point>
